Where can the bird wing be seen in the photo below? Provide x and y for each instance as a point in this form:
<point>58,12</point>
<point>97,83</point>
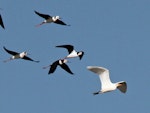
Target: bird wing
<point>27,58</point>
<point>68,47</point>
<point>103,75</point>
<point>42,15</point>
<point>58,21</point>
<point>10,52</point>
<point>53,67</point>
<point>1,22</point>
<point>122,87</point>
<point>65,67</point>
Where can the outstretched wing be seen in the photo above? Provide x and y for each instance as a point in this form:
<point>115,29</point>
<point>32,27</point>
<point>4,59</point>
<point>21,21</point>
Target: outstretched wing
<point>68,47</point>
<point>53,67</point>
<point>42,15</point>
<point>58,21</point>
<point>1,22</point>
<point>10,52</point>
<point>66,68</point>
<point>103,74</point>
<point>27,58</point>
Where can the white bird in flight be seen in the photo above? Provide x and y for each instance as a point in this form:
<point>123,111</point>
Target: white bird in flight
<point>106,84</point>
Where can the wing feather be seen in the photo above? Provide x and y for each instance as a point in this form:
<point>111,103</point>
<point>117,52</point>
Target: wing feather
<point>58,21</point>
<point>10,52</point>
<point>68,47</point>
<point>103,75</point>
<point>1,22</point>
<point>65,67</point>
<point>27,58</point>
<point>42,15</point>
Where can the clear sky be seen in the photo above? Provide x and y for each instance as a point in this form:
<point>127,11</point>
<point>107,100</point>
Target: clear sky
<point>114,34</point>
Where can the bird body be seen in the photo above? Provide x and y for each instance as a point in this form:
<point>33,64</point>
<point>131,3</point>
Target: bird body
<point>106,84</point>
<point>1,22</point>
<point>16,55</point>
<point>21,55</point>
<point>72,53</point>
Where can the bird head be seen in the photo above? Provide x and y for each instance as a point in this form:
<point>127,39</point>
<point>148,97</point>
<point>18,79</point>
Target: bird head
<point>25,53</point>
<point>80,54</point>
<point>65,61</point>
<point>57,17</point>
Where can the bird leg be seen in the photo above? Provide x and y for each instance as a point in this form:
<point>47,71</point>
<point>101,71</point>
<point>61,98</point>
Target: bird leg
<point>40,24</point>
<point>46,67</point>
<point>8,60</point>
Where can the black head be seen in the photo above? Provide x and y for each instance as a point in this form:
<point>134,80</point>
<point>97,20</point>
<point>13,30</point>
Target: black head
<point>80,54</point>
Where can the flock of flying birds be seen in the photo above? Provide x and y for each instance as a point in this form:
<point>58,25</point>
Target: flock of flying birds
<point>103,73</point>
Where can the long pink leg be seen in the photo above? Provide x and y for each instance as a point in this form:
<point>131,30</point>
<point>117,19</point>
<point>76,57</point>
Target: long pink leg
<point>40,24</point>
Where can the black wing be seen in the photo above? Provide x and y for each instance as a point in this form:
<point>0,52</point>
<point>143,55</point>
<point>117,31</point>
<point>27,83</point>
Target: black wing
<point>65,67</point>
<point>1,22</point>
<point>42,15</point>
<point>60,22</point>
<point>68,47</point>
<point>10,52</point>
<point>27,58</point>
<point>53,67</point>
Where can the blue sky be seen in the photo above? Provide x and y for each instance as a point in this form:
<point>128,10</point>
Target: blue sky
<point>114,34</point>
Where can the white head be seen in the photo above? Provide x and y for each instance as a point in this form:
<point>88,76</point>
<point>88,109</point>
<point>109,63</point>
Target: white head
<point>57,17</point>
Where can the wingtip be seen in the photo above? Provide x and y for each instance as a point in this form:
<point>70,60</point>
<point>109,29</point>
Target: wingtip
<point>96,93</point>
<point>35,11</point>
<point>72,73</point>
<point>37,61</point>
<point>4,47</point>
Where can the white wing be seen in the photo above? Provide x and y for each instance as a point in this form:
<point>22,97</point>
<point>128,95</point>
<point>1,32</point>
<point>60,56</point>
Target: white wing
<point>103,75</point>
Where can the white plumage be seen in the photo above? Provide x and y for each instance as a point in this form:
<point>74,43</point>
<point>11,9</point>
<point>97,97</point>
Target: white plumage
<point>106,84</point>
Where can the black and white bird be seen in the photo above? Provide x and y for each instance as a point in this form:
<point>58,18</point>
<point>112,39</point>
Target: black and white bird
<point>1,22</point>
<point>72,52</point>
<point>61,63</point>
<point>16,55</point>
<point>50,19</point>
<point>106,84</point>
